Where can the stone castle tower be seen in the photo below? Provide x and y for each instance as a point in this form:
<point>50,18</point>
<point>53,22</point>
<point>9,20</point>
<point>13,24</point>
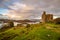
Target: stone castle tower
<point>44,17</point>
<point>47,17</point>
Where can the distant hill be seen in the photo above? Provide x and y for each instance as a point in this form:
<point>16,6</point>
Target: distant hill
<point>5,18</point>
<point>21,21</point>
<point>57,20</point>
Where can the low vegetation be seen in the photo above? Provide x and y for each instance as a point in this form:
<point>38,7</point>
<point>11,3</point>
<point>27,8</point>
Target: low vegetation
<point>47,31</point>
<point>7,26</point>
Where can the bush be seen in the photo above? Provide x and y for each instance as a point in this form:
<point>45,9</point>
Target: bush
<point>28,25</point>
<point>11,24</point>
<point>19,25</point>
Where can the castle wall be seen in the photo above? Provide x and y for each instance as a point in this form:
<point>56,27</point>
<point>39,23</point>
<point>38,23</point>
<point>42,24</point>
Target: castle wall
<point>47,17</point>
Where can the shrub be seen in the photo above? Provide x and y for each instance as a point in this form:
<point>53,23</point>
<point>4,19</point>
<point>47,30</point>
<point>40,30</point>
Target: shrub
<point>11,24</point>
<point>28,25</point>
<point>19,25</point>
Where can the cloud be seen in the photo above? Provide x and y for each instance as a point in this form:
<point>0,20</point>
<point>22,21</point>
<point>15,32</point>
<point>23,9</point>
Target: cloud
<point>3,16</point>
<point>20,6</point>
<point>21,10</point>
<point>31,8</point>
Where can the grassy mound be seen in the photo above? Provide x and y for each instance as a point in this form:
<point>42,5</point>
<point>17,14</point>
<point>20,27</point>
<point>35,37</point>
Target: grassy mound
<point>34,32</point>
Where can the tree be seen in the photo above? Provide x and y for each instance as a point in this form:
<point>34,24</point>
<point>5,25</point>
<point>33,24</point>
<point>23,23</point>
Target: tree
<point>11,24</point>
<point>28,25</point>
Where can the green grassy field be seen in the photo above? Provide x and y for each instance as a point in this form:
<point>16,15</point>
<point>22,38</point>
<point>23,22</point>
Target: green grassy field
<point>48,31</point>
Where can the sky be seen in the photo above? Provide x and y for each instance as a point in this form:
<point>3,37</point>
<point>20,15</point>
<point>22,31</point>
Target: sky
<point>29,9</point>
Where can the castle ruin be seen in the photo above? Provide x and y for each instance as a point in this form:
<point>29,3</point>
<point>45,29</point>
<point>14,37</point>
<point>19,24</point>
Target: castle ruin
<point>47,17</point>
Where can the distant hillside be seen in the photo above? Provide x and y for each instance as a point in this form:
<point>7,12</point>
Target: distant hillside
<point>57,20</point>
<point>20,21</point>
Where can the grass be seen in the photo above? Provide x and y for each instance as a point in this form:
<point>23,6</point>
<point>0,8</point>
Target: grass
<point>46,31</point>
